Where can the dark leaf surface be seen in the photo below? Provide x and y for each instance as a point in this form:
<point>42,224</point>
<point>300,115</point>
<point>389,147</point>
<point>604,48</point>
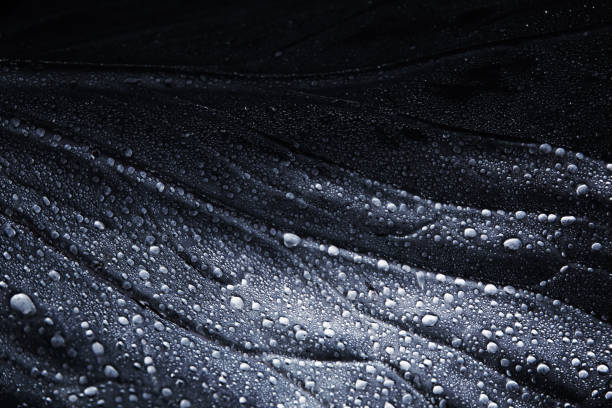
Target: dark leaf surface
<point>364,204</point>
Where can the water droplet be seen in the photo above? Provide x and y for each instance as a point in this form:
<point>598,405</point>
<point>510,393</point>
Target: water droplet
<point>291,240</point>
<point>97,348</point>
<point>382,265</point>
<point>236,302</point>
<point>429,320</point>
<point>470,233</point>
<point>360,385</point>
<point>301,335</point>
<point>513,244</point>
<point>110,372</point>
<point>582,189</point>
<point>543,369</point>
<point>23,304</point>
<point>490,289</point>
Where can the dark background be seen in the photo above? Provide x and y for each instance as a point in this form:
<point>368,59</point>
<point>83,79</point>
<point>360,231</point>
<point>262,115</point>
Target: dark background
<point>534,71</point>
